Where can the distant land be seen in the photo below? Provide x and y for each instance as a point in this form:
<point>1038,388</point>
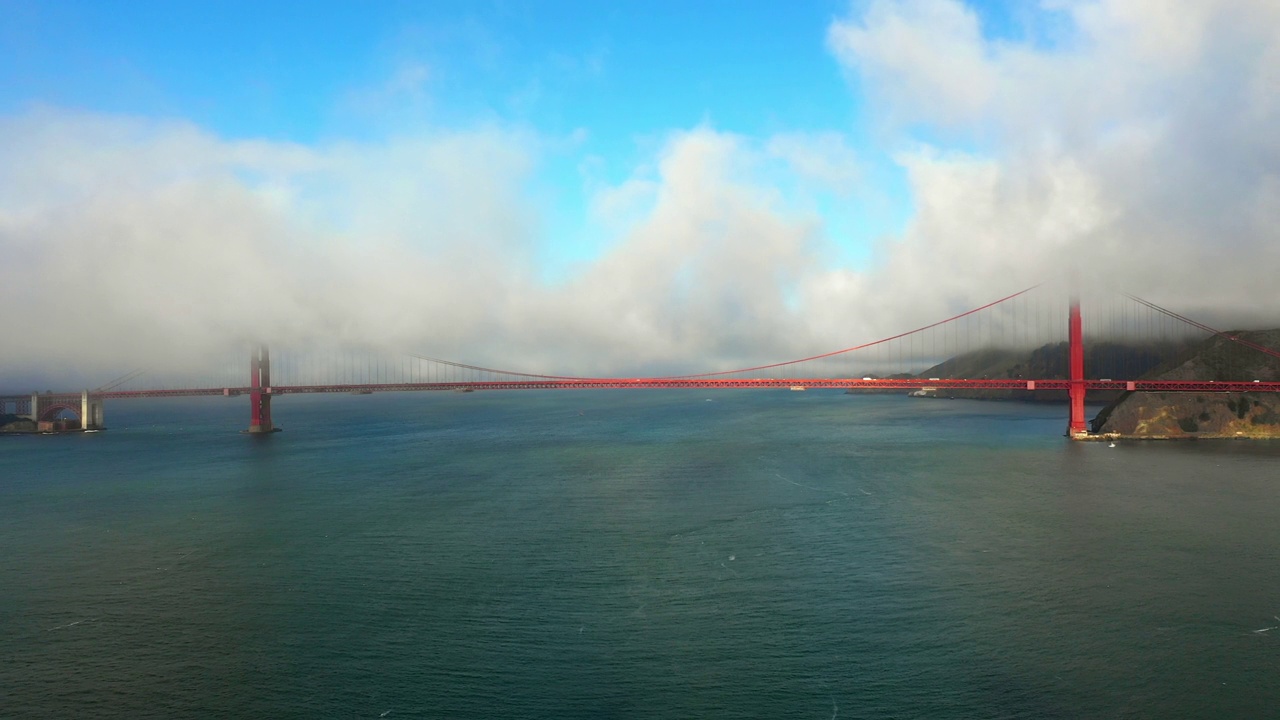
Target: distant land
<point>15,424</point>
<point>1142,414</point>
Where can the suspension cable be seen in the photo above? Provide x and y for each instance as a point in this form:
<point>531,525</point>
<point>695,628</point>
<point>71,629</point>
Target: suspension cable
<point>855,347</point>
<point>1233,338</point>
<point>112,384</point>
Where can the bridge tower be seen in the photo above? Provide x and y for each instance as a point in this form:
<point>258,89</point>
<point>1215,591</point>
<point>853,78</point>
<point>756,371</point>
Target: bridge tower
<point>260,391</point>
<point>1076,426</point>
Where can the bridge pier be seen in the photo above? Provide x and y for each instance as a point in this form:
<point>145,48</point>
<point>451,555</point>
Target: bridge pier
<point>260,391</point>
<point>92,412</point>
<point>1076,426</point>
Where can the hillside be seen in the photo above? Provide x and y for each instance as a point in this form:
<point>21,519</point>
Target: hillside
<point>1203,415</point>
<point>15,424</point>
<point>1103,359</point>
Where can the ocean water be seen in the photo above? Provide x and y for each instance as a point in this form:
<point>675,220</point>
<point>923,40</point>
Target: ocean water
<point>633,554</point>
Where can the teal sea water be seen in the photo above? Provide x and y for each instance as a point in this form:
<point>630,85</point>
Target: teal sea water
<point>628,554</point>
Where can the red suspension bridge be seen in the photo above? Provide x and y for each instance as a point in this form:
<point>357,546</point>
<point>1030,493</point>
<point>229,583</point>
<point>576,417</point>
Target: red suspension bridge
<point>971,351</point>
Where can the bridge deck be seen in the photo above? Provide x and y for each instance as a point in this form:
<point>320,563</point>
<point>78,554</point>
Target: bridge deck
<point>720,383</point>
<point>908,384</point>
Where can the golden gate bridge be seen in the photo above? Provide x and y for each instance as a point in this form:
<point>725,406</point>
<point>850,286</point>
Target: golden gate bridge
<point>927,359</point>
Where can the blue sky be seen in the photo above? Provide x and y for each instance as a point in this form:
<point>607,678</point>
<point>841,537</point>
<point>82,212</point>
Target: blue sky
<point>614,77</point>
<point>282,69</point>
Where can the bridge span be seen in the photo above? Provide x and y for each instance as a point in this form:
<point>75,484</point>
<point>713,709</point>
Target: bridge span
<point>87,406</point>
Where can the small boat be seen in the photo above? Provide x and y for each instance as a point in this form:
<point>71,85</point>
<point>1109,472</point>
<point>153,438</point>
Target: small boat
<point>797,388</point>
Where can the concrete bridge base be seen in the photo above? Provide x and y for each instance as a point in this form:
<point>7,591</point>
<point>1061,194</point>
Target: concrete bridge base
<point>92,412</point>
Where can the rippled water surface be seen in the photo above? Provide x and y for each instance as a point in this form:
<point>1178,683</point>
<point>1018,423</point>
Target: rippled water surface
<point>633,554</point>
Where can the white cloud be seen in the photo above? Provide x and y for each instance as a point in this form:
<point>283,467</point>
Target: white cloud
<point>1141,149</point>
<point>134,237</point>
<point>927,57</point>
<point>141,239</point>
<point>824,160</point>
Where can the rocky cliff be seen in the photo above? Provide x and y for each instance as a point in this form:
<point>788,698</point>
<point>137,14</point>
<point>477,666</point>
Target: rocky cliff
<point>1203,415</point>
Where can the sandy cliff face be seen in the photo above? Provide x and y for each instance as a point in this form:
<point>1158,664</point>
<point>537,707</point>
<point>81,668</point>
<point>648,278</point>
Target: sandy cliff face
<point>1180,415</point>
